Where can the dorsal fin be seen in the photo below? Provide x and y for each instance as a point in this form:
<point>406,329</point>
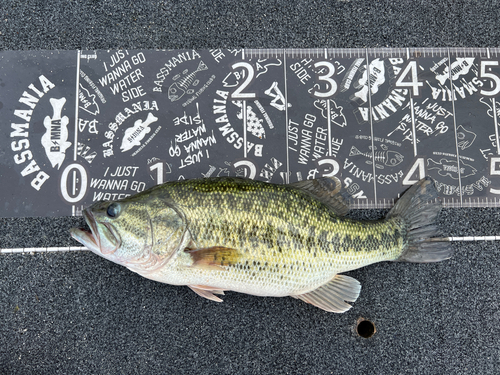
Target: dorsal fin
<point>327,190</point>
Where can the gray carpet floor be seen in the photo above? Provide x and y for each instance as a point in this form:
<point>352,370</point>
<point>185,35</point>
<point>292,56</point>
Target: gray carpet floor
<point>72,313</point>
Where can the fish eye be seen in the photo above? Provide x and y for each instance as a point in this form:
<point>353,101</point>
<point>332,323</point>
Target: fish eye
<point>113,209</point>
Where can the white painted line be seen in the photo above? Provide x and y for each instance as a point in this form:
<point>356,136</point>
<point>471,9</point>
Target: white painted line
<point>465,239</point>
<point>78,248</point>
<point>22,250</point>
<point>475,238</point>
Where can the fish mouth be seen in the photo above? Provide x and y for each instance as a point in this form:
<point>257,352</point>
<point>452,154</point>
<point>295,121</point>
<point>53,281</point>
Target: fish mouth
<point>91,238</point>
<point>86,237</point>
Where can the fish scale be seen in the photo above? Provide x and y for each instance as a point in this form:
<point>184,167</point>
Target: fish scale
<point>275,239</point>
<point>219,234</point>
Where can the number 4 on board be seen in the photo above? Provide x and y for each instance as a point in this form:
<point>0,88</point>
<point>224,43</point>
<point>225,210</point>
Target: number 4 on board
<point>419,167</point>
<point>411,69</point>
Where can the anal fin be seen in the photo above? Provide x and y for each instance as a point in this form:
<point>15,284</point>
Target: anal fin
<point>207,292</point>
<point>332,295</point>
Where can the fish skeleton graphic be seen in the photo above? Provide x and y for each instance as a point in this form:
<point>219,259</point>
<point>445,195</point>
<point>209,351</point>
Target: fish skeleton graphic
<point>181,87</point>
<point>388,157</point>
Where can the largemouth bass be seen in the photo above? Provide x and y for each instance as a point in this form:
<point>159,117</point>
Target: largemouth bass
<point>221,234</point>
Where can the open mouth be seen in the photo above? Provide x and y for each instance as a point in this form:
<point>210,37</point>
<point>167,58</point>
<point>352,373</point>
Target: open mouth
<point>88,238</point>
<point>102,240</point>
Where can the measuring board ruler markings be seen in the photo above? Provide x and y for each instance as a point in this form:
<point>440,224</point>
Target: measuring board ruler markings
<point>83,126</point>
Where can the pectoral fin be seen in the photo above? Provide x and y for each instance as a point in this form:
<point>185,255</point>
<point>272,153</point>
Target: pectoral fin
<point>332,296</point>
<point>214,258</point>
<point>207,292</point>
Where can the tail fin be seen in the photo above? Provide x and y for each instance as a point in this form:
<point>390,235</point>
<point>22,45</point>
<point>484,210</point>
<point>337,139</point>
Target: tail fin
<point>419,208</point>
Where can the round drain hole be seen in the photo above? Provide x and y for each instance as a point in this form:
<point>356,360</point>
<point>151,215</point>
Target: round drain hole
<point>365,328</point>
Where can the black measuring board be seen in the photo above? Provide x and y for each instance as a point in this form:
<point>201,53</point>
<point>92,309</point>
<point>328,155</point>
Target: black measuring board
<point>83,126</point>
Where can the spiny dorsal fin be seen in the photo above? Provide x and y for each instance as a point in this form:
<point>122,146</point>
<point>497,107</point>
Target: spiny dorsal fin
<point>327,190</point>
<point>332,296</point>
<point>214,257</point>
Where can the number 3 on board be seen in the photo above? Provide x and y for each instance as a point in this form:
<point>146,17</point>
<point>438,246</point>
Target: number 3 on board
<point>328,78</point>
